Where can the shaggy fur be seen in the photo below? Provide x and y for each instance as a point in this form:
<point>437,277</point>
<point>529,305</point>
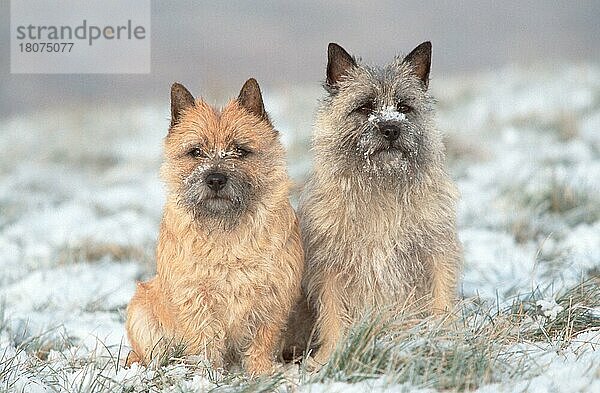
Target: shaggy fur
<point>378,212</point>
<point>229,262</point>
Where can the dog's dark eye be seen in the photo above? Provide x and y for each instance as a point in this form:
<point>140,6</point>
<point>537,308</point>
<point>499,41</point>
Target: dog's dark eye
<point>241,152</point>
<point>403,108</point>
<point>365,108</point>
<point>196,153</point>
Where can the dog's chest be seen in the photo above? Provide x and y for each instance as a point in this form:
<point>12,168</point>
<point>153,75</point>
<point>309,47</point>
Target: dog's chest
<point>378,246</point>
<point>227,290</point>
<point>371,234</point>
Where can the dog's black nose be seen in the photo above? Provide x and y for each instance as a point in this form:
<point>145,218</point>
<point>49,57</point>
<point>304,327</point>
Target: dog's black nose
<point>389,131</point>
<point>216,181</point>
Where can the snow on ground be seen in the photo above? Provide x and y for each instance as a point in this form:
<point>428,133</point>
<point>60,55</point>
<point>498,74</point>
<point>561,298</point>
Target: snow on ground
<point>80,202</point>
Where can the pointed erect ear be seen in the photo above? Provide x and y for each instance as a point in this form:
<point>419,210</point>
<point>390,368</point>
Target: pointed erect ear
<point>338,63</point>
<point>181,98</point>
<point>251,99</point>
<point>420,59</point>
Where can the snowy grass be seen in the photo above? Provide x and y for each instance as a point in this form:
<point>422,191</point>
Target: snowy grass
<point>420,356</point>
<point>80,204</point>
<point>481,346</point>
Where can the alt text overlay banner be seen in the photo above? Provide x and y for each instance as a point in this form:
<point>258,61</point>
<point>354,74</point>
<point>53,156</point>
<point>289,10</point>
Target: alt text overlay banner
<point>80,36</point>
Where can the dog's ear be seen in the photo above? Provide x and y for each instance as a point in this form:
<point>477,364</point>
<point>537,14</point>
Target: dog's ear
<point>338,63</point>
<point>181,99</point>
<point>250,98</point>
<point>420,60</point>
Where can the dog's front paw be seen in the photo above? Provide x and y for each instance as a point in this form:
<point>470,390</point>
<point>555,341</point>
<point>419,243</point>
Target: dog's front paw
<point>259,366</point>
<point>132,358</point>
<point>312,365</point>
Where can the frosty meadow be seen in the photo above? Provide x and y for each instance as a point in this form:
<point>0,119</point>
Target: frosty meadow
<point>79,221</point>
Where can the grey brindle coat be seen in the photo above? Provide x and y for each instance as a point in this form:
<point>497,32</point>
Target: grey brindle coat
<point>378,211</point>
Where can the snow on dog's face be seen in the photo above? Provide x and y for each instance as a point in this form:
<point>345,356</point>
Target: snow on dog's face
<point>219,164</point>
<point>378,121</point>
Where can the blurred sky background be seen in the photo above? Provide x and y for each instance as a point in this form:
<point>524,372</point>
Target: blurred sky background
<point>214,46</point>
